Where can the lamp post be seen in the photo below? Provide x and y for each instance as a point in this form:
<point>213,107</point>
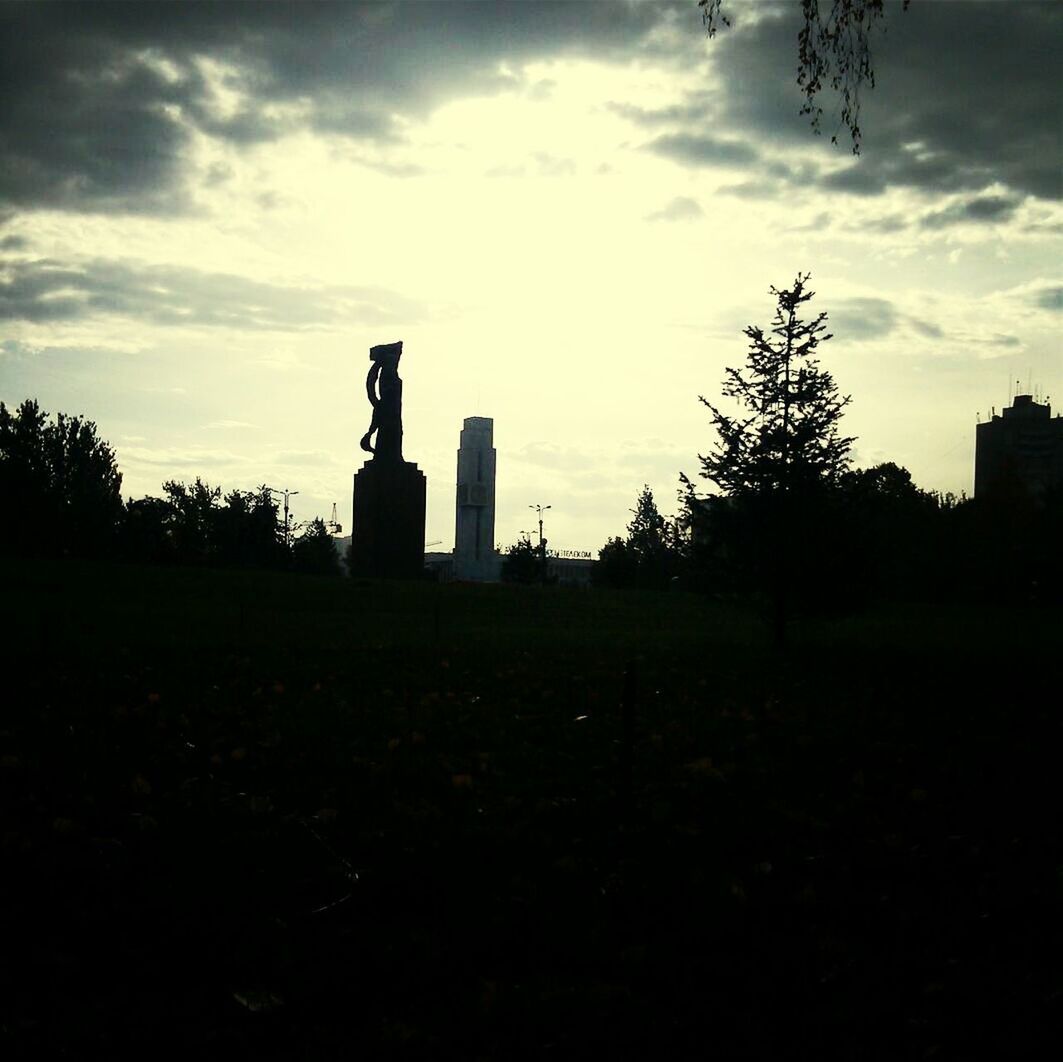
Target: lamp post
<point>540,509</point>
<point>286,494</point>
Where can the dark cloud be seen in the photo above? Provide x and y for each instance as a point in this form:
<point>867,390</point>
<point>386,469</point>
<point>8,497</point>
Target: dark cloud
<point>99,99</point>
<point>820,223</point>
<point>753,189</point>
<point>682,208</point>
<point>926,329</point>
<point>696,107</point>
<point>14,243</point>
<point>855,179</point>
<point>886,225</point>
<point>1000,339</point>
<point>983,210</point>
<point>45,290</point>
<point>966,95</point>
<point>702,150</point>
<point>863,318</point>
<point>1050,299</point>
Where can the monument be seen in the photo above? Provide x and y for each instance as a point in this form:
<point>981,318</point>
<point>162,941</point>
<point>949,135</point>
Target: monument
<point>475,556</point>
<point>387,540</point>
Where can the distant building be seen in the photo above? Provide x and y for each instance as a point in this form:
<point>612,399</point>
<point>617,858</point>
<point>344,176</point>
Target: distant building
<point>343,551</point>
<point>570,571</point>
<point>1023,448</point>
<point>475,556</point>
<point>440,566</point>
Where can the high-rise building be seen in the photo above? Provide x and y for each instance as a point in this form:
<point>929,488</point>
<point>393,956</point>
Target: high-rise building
<point>475,556</point>
<point>1022,448</point>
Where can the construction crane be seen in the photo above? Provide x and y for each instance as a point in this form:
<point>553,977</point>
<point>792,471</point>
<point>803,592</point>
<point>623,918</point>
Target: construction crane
<point>437,542</point>
<point>332,524</point>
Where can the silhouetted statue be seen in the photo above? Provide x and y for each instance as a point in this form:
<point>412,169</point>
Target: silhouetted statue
<point>384,389</point>
<point>389,493</point>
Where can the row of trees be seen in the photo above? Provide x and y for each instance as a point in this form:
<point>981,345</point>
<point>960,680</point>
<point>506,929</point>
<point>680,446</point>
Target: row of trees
<point>792,521</point>
<point>63,481</point>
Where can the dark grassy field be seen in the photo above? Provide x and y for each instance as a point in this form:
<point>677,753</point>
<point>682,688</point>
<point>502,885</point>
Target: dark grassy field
<point>270,816</point>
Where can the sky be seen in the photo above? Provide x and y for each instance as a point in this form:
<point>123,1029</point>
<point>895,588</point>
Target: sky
<point>567,212</point>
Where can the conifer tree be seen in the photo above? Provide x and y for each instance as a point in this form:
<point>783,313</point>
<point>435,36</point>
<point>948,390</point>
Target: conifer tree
<point>785,437</point>
<point>780,454</point>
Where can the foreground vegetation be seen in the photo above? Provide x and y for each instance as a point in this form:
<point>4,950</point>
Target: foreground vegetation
<point>304,817</point>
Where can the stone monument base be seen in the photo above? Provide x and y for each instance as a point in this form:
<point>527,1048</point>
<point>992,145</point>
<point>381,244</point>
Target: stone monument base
<point>387,540</point>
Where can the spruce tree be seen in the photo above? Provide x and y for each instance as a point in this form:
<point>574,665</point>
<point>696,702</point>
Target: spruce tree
<point>785,437</point>
<point>779,456</point>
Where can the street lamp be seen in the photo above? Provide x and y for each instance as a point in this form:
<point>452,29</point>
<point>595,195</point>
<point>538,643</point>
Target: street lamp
<point>540,509</point>
<point>286,494</point>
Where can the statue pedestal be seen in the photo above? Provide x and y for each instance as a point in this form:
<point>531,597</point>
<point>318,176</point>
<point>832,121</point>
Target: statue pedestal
<point>387,540</point>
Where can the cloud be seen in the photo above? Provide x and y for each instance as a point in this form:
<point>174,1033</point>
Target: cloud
<point>313,458</point>
<point>986,209</point>
<point>965,97</point>
<point>690,150</point>
<point>1050,299</point>
<point>854,179</point>
<point>552,166</point>
<point>102,101</point>
<point>820,223</point>
<point>550,455</point>
<point>14,243</point>
<point>965,100</point>
<point>180,459</point>
<point>753,189</point>
<point>926,329</point>
<point>999,339</point>
<point>681,208</point>
<point>1039,294</point>
<point>657,461</point>
<point>229,424</point>
<point>863,318</point>
<point>695,107</point>
<point>885,225</point>
<point>45,290</point>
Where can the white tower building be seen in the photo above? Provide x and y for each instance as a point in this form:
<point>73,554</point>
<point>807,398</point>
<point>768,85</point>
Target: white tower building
<point>475,556</point>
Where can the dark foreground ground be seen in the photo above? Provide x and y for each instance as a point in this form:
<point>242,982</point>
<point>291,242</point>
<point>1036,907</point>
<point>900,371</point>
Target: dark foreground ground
<point>257,816</point>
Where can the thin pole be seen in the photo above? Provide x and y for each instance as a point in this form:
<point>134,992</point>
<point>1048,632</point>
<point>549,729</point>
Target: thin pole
<point>287,529</point>
<point>540,509</point>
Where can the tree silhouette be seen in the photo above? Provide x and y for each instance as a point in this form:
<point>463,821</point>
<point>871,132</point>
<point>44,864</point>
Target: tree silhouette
<point>616,565</point>
<point>787,439</point>
<point>649,556</point>
<point>648,531</point>
<point>193,520</point>
<point>832,49</point>
<point>247,530</point>
<point>778,457</point>
<point>314,551</point>
<point>883,530</point>
<point>61,480</point>
<point>147,531</point>
<point>193,525</point>
<point>522,563</point>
